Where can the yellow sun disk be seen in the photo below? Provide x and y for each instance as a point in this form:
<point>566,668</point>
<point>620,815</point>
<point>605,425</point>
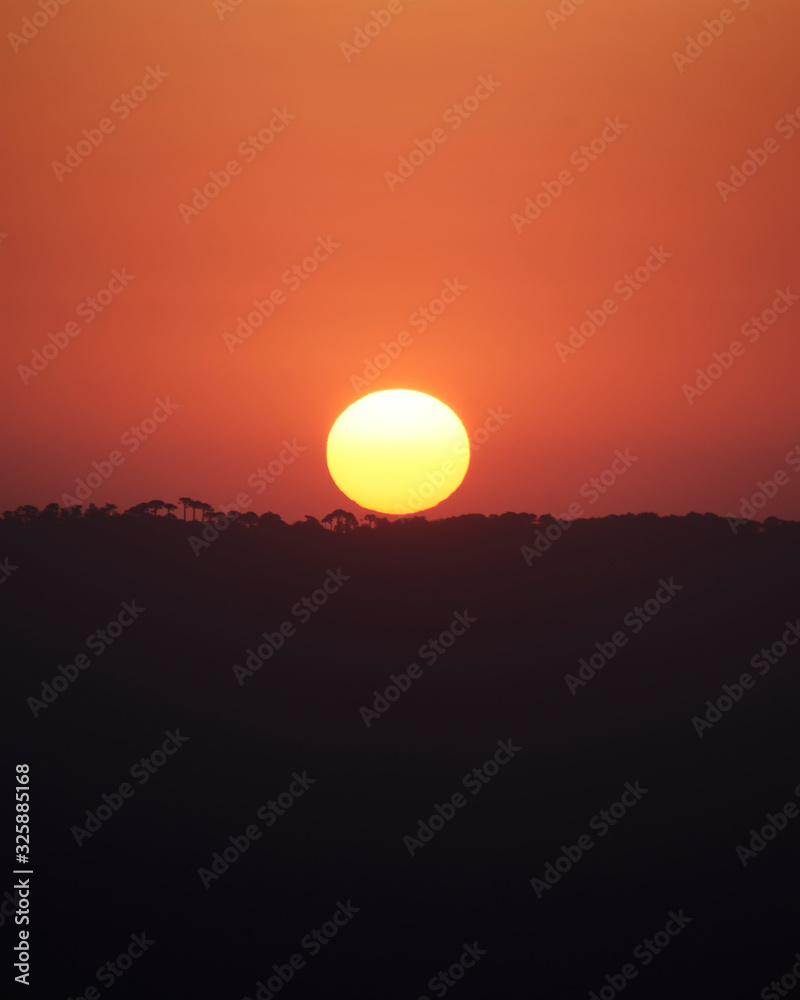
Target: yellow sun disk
<point>398,451</point>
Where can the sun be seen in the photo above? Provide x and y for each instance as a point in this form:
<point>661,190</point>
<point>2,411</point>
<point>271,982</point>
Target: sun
<point>398,451</point>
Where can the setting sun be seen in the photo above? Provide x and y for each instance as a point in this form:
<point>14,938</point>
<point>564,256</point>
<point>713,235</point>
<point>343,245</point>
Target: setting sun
<point>398,451</point>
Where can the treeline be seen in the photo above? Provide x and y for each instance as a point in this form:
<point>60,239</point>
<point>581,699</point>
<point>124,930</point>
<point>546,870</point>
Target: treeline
<point>535,534</point>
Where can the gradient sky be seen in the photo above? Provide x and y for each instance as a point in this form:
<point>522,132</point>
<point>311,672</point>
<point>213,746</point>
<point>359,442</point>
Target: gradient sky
<point>323,177</point>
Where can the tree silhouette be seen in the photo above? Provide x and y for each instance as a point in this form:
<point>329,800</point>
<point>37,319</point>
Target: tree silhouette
<point>169,507</point>
<point>187,502</point>
<point>308,526</point>
<point>344,520</point>
<point>50,512</point>
<point>347,522</point>
<point>270,520</point>
<point>540,602</point>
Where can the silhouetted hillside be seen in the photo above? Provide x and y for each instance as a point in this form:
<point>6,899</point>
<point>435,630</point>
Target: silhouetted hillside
<point>286,653</point>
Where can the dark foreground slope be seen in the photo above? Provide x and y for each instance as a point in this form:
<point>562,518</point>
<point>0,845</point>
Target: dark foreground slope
<point>561,751</point>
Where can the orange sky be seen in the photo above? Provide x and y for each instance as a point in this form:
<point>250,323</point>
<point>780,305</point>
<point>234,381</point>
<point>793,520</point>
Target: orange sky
<point>217,74</point>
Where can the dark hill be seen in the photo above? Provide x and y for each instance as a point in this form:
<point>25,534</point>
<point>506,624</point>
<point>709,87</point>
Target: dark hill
<point>376,597</point>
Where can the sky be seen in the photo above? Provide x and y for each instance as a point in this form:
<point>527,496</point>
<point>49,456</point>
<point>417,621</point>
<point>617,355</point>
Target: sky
<point>367,181</point>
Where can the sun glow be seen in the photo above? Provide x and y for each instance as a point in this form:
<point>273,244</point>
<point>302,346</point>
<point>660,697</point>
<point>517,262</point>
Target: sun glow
<point>398,451</point>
